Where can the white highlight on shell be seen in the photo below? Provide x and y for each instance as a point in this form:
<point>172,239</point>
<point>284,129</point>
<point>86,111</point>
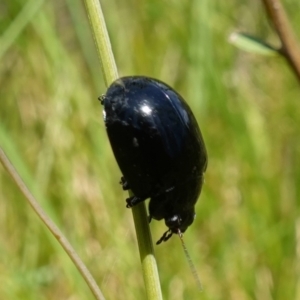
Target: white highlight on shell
<point>104,115</point>
<point>146,109</point>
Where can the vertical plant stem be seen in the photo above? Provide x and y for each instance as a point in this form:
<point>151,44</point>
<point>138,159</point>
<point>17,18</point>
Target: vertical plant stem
<point>148,261</point>
<point>290,48</point>
<point>149,266</point>
<point>102,41</point>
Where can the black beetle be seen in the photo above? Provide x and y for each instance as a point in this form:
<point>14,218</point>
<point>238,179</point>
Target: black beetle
<point>159,148</point>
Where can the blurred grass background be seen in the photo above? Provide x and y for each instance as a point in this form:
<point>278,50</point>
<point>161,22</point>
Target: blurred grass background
<point>245,241</point>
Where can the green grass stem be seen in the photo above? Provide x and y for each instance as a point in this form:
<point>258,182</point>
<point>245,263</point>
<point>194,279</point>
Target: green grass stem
<point>149,266</point>
<point>102,41</point>
<point>51,226</point>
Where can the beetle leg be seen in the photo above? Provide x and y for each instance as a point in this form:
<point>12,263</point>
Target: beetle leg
<point>165,237</point>
<point>101,99</point>
<point>134,200</point>
<point>124,184</point>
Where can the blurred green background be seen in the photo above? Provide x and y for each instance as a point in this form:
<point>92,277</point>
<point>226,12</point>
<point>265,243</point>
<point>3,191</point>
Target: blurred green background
<point>245,241</point>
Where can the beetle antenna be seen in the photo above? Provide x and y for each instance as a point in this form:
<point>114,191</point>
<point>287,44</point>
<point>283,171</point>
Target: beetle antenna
<point>191,264</point>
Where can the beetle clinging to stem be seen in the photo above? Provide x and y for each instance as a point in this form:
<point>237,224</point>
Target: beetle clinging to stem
<point>159,148</point>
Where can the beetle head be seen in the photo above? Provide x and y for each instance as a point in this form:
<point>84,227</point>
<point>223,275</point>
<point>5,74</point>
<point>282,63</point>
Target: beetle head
<point>177,223</point>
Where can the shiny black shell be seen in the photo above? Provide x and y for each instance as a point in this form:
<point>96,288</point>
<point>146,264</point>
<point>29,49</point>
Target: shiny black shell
<point>158,146</point>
